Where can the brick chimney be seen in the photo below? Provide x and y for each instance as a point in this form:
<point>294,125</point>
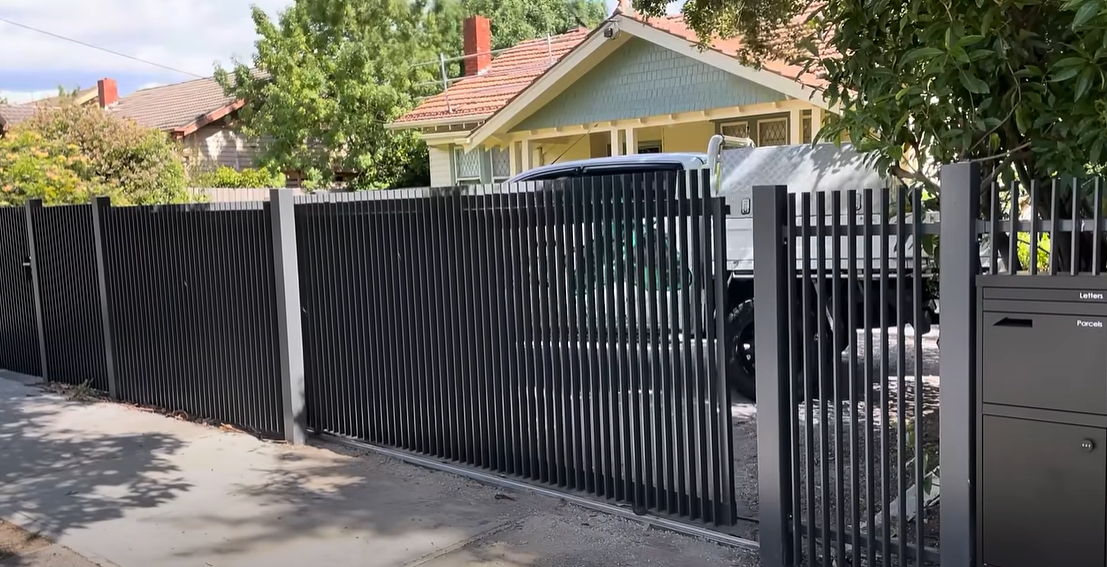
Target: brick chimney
<point>107,92</point>
<point>477,33</point>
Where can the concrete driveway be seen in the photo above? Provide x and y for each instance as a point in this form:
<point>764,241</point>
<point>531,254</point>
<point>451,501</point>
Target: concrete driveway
<point>121,486</point>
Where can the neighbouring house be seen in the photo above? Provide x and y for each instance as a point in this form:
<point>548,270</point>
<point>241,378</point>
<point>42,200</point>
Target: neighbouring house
<point>204,120</point>
<point>631,85</point>
<point>196,113</point>
<point>12,114</point>
<point>199,115</point>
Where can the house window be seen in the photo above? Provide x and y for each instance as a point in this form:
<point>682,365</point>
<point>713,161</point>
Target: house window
<point>736,130</point>
<point>805,125</point>
<point>467,167</point>
<point>772,132</point>
<point>643,148</point>
<point>501,163</point>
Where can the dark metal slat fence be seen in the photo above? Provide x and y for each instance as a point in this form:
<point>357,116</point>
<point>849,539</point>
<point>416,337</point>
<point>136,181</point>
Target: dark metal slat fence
<point>856,403</point>
<point>560,333</point>
<point>19,350</point>
<point>193,311</point>
<point>72,322</point>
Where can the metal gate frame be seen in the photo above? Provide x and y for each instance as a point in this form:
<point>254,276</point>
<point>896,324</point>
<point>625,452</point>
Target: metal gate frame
<point>456,337</point>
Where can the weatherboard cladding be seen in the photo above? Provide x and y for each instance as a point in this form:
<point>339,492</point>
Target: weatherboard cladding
<point>645,79</point>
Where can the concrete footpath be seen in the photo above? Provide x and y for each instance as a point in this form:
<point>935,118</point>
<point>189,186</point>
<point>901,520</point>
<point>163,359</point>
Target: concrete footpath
<point>118,486</point>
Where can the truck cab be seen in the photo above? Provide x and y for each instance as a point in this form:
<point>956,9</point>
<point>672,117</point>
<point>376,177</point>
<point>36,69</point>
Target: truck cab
<point>734,174</point>
<point>615,165</point>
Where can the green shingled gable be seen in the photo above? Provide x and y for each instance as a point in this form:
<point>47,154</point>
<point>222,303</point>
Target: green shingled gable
<point>644,79</point>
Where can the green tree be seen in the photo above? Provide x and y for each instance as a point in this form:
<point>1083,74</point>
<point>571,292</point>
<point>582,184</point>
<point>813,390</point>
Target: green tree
<point>1019,85</point>
<point>327,78</point>
<point>69,153</point>
<point>329,75</point>
<point>228,177</point>
<point>32,166</point>
<point>515,21</point>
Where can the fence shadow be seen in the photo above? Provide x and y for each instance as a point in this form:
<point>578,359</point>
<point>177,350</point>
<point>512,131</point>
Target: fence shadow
<point>350,502</point>
<point>56,478</point>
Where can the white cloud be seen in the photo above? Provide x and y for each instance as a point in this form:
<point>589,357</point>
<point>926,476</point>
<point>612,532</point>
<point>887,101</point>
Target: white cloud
<point>150,86</point>
<point>16,97</point>
<point>190,36</point>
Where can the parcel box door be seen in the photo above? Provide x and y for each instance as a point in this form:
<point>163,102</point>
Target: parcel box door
<point>1053,362</point>
<point>1044,493</point>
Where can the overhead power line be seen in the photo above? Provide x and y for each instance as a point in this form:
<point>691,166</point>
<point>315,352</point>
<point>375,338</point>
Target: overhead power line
<point>98,48</point>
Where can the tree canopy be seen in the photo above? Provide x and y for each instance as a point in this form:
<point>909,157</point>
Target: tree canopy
<point>70,153</point>
<point>1019,84</point>
<point>514,21</point>
<point>329,75</point>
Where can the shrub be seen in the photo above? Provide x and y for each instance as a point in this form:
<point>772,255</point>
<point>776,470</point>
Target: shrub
<point>35,167</point>
<point>224,176</point>
<point>89,152</point>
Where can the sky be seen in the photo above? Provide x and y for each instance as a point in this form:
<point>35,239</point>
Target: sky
<point>189,37</point>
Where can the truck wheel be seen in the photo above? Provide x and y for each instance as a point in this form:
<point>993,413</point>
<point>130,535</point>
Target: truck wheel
<point>740,366</point>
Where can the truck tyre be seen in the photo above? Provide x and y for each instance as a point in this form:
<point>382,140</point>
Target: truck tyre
<point>742,370</point>
<point>740,367</point>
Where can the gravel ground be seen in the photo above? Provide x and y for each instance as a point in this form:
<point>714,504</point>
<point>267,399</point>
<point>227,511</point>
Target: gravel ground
<point>554,533</point>
<point>876,423</point>
<point>15,540</point>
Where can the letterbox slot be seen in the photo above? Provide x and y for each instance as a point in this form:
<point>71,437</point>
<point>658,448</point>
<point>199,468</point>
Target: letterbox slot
<point>1017,322</point>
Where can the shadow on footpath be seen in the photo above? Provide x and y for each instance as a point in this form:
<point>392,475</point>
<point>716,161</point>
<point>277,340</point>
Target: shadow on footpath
<point>329,491</point>
<point>56,478</point>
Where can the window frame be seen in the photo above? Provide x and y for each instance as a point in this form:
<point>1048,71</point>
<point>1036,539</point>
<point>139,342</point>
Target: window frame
<point>775,120</point>
<point>466,180</point>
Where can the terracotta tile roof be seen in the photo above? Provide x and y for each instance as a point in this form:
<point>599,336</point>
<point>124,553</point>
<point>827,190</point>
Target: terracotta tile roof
<point>515,69</point>
<point>172,106</point>
<point>12,114</point>
<point>510,72</point>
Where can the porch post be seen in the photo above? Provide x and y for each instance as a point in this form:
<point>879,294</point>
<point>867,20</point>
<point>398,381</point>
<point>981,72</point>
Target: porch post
<point>816,121</point>
<point>513,157</point>
<point>631,142</point>
<point>795,126</point>
<point>526,155</point>
<point>616,149</point>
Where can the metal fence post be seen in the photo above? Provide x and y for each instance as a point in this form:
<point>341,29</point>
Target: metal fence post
<point>960,258</point>
<point>289,334</point>
<point>31,206</point>
<point>770,351</point>
<point>99,207</point>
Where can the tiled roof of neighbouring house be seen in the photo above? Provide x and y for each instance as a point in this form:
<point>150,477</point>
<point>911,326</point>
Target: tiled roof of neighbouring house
<point>510,72</point>
<point>173,106</point>
<point>513,70</point>
<point>12,114</point>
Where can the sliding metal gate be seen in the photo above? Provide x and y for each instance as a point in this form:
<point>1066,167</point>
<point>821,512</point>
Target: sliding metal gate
<point>19,348</point>
<point>561,333</point>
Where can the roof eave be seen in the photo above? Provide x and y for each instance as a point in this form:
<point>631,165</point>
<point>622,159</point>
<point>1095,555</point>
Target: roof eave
<point>442,121</point>
<point>206,119</point>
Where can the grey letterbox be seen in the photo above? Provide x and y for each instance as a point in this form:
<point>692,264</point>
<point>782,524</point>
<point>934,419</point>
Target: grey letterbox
<point>1042,421</point>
